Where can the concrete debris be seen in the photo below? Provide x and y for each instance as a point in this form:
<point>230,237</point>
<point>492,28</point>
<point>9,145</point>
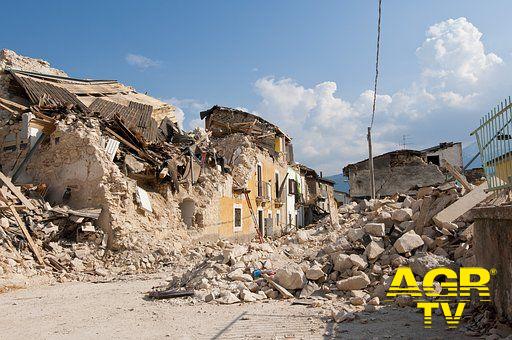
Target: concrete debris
<point>94,209</point>
<point>422,262</point>
<point>360,281</point>
<point>352,264</point>
<point>291,277</point>
<point>375,229</point>
<point>407,242</point>
<point>402,215</point>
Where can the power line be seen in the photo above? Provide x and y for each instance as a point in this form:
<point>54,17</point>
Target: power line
<point>369,135</point>
<point>376,64</point>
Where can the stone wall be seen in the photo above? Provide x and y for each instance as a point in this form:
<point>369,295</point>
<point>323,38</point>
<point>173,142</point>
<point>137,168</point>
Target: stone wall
<point>492,246</point>
<point>392,178</point>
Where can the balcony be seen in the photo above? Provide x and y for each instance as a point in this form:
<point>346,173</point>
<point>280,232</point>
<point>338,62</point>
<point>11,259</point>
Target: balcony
<point>264,193</point>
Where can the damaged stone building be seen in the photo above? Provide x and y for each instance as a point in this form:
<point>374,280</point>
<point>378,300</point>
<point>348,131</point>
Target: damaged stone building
<point>403,170</point>
<point>269,188</point>
<point>315,196</point>
<point>101,158</point>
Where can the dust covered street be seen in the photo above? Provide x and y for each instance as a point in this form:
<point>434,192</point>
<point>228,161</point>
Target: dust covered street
<point>119,310</point>
<point>256,170</point>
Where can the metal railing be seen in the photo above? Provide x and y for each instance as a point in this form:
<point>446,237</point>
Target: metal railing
<point>494,138</point>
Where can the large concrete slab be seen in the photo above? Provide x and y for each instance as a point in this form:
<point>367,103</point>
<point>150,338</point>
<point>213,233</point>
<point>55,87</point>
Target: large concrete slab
<point>462,205</point>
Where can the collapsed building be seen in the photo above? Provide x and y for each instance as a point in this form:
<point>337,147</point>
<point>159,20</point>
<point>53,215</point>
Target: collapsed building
<point>316,197</point>
<point>402,170</point>
<point>86,159</point>
<point>270,190</point>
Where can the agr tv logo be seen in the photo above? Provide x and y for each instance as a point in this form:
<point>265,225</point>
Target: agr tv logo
<point>452,289</point>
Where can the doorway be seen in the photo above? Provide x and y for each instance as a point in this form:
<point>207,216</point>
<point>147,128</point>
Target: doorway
<point>187,208</point>
<point>260,222</point>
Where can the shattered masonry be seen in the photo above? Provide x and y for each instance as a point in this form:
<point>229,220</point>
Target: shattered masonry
<point>98,180</point>
<point>83,145</point>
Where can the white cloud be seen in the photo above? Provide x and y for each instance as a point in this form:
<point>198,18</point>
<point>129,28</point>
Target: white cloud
<point>453,54</point>
<point>140,61</point>
<point>330,132</point>
<point>187,112</point>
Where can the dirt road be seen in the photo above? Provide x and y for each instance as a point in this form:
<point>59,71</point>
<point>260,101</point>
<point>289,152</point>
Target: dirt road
<point>119,310</point>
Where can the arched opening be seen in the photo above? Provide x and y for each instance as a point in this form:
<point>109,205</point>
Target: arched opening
<point>188,208</point>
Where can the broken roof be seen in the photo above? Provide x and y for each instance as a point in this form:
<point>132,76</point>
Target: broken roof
<point>391,153</point>
<point>326,181</point>
<point>405,152</point>
<point>85,91</point>
<point>214,108</point>
<point>441,146</point>
<point>307,170</point>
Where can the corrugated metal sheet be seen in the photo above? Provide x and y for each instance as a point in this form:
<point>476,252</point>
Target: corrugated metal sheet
<point>136,116</point>
<point>37,90</point>
<point>87,90</point>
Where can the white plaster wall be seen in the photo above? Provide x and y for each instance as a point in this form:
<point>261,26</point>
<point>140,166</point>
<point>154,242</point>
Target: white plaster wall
<point>290,199</point>
<point>452,154</point>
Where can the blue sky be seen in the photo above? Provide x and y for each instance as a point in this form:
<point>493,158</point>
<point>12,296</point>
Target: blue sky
<point>303,64</point>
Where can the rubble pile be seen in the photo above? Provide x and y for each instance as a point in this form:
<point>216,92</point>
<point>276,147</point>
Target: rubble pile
<point>68,238</point>
<point>97,158</point>
<point>351,265</point>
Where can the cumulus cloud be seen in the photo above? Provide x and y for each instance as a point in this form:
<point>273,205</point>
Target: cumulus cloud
<point>326,129</point>
<point>330,132</point>
<point>140,61</point>
<point>453,54</point>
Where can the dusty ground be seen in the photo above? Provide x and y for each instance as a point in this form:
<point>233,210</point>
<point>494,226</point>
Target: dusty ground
<point>119,310</point>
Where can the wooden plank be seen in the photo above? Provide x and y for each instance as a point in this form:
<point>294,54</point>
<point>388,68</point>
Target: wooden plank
<point>457,175</point>
<point>46,126</point>
<point>8,109</point>
<point>130,145</point>
<point>31,242</point>
<point>169,294</point>
<point>13,104</point>
<point>19,207</point>
<point>284,292</point>
<point>462,205</point>
<point>16,191</point>
<point>89,213</point>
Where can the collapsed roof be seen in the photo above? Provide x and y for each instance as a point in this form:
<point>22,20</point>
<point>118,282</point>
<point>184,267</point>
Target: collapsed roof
<point>396,154</point>
<point>108,98</point>
<point>239,121</point>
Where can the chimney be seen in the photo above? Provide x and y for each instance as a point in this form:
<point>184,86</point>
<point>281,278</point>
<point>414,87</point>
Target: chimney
<point>321,174</point>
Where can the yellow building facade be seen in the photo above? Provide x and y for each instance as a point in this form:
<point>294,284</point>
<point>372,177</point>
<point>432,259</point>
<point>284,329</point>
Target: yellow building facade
<point>236,220</point>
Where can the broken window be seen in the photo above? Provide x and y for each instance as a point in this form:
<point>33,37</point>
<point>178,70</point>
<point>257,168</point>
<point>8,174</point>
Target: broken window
<point>237,220</point>
<point>434,159</point>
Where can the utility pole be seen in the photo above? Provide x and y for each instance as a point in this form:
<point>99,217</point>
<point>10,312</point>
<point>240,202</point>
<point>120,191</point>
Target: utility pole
<point>370,162</point>
<point>369,136</point>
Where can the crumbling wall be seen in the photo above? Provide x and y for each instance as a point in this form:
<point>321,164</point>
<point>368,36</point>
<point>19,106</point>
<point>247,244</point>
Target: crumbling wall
<point>394,175</point>
<point>492,240</point>
<point>205,195</point>
<point>452,154</point>
<point>240,155</point>
<point>75,158</point>
<point>74,162</point>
